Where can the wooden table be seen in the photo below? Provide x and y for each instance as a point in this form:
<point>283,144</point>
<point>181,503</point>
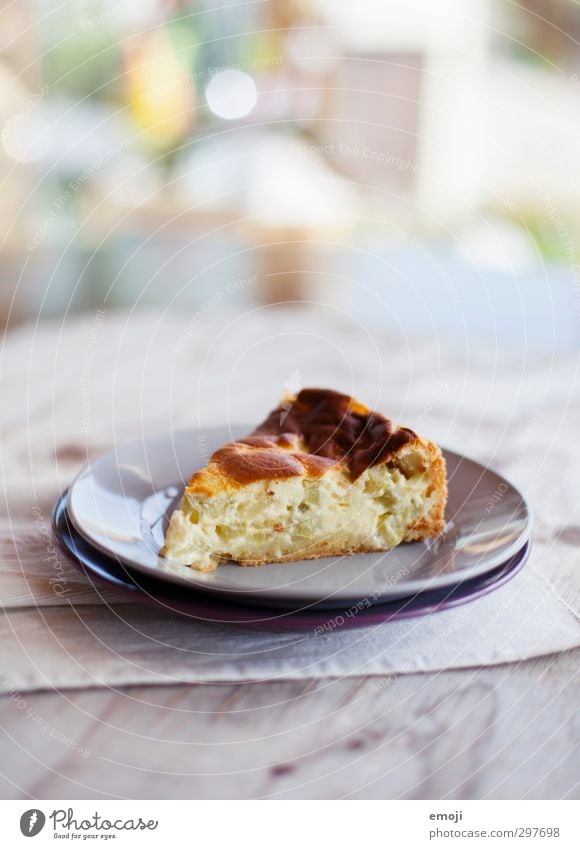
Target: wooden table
<point>498,732</point>
<point>502,732</point>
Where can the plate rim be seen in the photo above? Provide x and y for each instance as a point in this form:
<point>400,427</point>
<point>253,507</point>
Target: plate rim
<point>176,576</point>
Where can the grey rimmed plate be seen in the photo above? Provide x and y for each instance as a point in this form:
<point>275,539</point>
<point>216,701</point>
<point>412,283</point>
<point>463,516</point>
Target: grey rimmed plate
<point>121,504</point>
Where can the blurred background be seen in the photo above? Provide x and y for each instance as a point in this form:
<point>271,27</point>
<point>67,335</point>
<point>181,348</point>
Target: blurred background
<point>414,163</point>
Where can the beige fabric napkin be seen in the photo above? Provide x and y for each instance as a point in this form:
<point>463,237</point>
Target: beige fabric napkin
<point>101,642</point>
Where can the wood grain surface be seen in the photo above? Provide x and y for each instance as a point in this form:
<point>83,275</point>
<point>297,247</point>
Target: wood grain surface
<point>505,732</point>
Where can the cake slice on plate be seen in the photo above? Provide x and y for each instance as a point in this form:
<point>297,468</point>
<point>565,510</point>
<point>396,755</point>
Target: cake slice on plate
<point>322,476</point>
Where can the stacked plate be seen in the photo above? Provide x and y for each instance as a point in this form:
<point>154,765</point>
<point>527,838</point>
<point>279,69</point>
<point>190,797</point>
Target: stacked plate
<point>112,520</point>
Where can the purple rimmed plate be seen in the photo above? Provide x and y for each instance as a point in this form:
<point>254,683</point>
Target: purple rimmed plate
<point>121,502</point>
<point>203,607</point>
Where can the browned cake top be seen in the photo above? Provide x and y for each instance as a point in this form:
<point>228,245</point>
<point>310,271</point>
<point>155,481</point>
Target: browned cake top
<point>334,428</point>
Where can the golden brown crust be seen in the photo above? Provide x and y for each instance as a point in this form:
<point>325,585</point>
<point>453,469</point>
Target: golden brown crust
<point>337,427</point>
<point>324,549</point>
<point>433,523</point>
<point>246,462</point>
<point>309,434</point>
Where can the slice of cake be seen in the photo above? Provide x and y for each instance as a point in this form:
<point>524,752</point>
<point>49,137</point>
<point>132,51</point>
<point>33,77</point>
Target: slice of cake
<point>322,476</point>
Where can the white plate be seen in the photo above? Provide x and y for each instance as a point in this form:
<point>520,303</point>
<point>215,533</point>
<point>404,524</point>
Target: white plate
<point>121,504</point>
